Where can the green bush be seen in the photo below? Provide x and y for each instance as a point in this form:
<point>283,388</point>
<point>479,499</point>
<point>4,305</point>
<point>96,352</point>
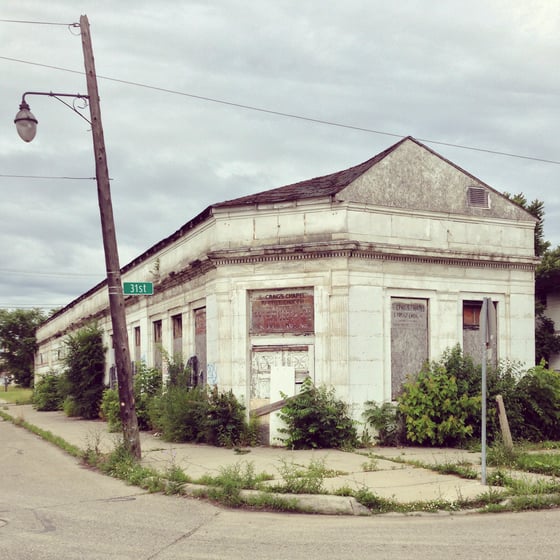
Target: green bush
<point>316,419</point>
<point>197,414</point>
<point>388,422</point>
<point>500,380</point>
<point>180,413</point>
<point>85,363</point>
<point>147,385</point>
<point>47,394</point>
<point>538,399</point>
<point>443,404</point>
<point>225,423</point>
<point>70,407</point>
<point>110,410</point>
<point>436,411</point>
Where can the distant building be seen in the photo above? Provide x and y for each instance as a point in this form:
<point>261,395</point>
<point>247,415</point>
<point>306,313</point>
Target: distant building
<point>355,279</point>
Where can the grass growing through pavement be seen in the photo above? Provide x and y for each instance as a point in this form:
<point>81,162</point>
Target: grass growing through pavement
<point>462,469</point>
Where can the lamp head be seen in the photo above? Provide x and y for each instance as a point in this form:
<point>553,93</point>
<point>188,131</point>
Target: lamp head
<point>26,123</point>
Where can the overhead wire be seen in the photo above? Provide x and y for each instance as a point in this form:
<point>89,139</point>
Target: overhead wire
<point>227,103</point>
<point>285,114</point>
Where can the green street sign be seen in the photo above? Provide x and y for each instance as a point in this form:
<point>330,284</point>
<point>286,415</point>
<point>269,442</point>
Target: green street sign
<point>138,288</point>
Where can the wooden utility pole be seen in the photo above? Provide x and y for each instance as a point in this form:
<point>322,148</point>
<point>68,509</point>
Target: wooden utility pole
<point>114,284</point>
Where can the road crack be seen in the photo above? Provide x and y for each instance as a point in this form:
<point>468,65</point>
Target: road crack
<point>187,535</point>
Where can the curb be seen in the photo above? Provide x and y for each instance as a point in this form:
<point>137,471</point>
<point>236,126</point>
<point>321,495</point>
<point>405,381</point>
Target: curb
<point>325,504</point>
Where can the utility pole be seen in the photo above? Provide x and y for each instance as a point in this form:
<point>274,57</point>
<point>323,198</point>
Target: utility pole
<point>116,298</point>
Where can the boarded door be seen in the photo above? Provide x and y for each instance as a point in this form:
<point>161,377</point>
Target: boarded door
<point>276,370</point>
<point>409,339</point>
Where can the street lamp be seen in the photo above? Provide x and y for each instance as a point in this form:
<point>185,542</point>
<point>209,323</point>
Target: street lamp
<point>26,125</point>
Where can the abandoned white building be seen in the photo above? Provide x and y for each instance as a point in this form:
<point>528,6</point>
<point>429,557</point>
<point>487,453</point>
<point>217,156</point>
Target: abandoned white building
<point>354,279</point>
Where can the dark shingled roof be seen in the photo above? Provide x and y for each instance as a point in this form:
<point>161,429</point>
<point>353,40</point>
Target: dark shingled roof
<point>328,185</point>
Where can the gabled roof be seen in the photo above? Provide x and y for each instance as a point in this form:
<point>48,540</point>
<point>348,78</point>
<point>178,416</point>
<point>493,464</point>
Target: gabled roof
<point>327,185</point>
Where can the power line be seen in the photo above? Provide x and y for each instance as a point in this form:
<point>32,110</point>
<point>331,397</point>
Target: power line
<point>50,274</point>
<point>46,177</point>
<point>288,115</point>
<point>39,22</point>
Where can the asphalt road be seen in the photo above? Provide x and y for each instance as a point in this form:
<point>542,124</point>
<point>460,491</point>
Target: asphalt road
<point>51,507</point>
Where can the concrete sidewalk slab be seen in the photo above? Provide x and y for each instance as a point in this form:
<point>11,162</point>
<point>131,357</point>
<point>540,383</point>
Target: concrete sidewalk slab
<point>391,478</point>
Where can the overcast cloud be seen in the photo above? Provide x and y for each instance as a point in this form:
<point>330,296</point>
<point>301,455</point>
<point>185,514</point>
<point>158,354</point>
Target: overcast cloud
<point>482,74</point>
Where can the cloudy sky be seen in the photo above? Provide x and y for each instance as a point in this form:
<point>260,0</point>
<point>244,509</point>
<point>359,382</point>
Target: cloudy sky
<point>177,81</point>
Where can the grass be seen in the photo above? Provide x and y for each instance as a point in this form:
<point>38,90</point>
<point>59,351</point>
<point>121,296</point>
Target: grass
<point>526,458</point>
<point>233,484</point>
<point>16,395</point>
<point>541,463</point>
<point>45,434</point>
<point>462,469</point>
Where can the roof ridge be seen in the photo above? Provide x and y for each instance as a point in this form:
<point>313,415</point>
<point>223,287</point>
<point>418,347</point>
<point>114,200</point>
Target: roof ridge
<point>324,185</point>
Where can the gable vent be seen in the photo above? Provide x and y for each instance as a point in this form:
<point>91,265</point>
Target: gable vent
<point>477,197</point>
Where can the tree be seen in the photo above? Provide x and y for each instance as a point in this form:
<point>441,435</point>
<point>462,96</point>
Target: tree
<point>536,209</point>
<point>547,276</point>
<point>18,343</point>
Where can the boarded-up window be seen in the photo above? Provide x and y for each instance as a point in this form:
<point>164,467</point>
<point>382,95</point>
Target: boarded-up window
<point>282,311</point>
<point>200,344</point>
<point>471,314</point>
<point>137,344</point>
<point>157,344</point>
<point>472,335</point>
<point>409,340</point>
<point>157,332</point>
<point>177,322</point>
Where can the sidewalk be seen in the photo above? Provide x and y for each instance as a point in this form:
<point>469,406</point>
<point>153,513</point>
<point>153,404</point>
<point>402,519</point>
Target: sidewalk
<point>383,476</point>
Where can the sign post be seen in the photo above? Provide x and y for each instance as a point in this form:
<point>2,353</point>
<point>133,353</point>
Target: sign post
<point>488,326</point>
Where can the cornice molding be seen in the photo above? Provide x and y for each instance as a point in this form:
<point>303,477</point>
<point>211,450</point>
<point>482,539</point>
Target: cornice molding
<point>354,250</point>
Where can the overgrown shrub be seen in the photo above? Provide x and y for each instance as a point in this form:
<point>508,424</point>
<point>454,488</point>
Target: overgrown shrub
<point>180,413</point>
<point>315,418</point>
<point>202,415</point>
<point>436,411</point>
<point>70,407</point>
<point>47,394</point>
<point>225,423</point>
<point>178,373</point>
<point>443,404</point>
<point>388,422</point>
<point>85,363</point>
<point>500,380</point>
<point>110,410</point>
<point>538,398</point>
<point>147,385</point>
